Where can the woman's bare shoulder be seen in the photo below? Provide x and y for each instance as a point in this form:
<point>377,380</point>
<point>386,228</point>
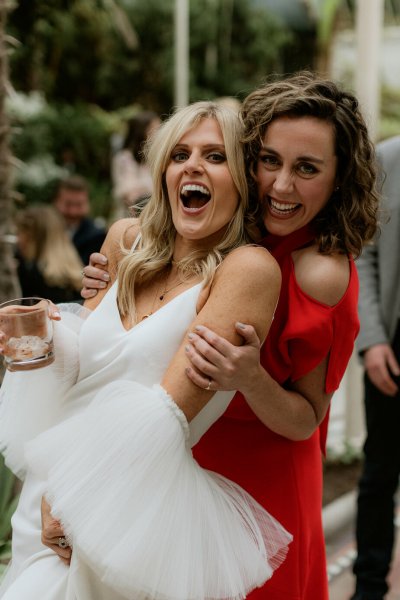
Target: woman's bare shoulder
<point>120,236</point>
<point>121,233</point>
<point>323,277</point>
<point>123,230</point>
<point>250,269</point>
<point>254,260</point>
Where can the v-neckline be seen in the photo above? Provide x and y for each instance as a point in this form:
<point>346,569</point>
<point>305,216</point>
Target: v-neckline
<point>153,314</point>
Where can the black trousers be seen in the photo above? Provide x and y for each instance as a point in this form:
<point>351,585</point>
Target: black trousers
<point>377,489</point>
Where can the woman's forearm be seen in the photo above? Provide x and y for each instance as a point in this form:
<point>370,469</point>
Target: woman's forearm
<point>292,413</point>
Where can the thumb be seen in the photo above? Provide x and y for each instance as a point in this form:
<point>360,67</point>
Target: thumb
<point>54,313</point>
<point>248,333</point>
<point>393,364</point>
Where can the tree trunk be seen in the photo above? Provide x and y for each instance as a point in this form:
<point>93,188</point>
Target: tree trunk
<point>9,286</point>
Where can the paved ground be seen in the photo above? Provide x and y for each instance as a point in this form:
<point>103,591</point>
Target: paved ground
<point>341,551</point>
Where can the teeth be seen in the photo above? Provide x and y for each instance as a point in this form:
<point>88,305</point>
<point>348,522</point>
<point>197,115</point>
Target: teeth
<point>281,206</point>
<point>191,187</point>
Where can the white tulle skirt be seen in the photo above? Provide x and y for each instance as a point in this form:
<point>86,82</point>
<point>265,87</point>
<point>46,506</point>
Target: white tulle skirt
<point>139,510</point>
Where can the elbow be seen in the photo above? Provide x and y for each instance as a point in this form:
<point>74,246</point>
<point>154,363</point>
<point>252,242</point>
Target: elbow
<point>301,432</point>
<point>298,436</point>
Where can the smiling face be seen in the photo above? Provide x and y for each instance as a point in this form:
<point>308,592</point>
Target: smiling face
<point>295,172</point>
<point>201,191</point>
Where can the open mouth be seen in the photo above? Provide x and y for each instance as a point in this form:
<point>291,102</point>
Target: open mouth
<point>194,196</point>
<point>282,209</point>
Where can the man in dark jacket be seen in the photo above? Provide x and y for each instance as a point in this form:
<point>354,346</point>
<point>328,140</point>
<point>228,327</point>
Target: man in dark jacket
<point>379,344</point>
<point>72,201</point>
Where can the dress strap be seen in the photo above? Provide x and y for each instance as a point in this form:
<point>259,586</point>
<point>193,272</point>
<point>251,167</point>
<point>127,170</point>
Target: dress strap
<point>136,242</point>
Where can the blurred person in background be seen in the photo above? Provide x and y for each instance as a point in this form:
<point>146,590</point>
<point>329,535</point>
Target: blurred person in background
<point>48,263</point>
<point>379,343</point>
<point>72,201</point>
<point>130,174</point>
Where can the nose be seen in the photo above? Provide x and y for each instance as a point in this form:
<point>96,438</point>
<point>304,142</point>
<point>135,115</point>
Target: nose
<point>283,182</point>
<point>193,164</point>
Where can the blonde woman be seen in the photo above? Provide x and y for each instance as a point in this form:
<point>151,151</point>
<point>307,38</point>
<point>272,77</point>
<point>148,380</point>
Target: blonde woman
<point>48,263</point>
<point>142,518</point>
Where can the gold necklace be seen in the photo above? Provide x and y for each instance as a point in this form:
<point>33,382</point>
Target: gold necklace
<point>166,291</point>
<point>161,296</point>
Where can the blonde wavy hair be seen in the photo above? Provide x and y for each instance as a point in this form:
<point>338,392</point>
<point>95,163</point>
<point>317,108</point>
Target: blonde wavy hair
<point>349,219</point>
<point>155,251</point>
<point>48,244</point>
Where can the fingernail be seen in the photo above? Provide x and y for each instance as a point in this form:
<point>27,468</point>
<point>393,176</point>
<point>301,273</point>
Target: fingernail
<point>103,260</point>
<point>106,277</point>
<point>190,336</point>
<point>102,284</point>
<point>198,328</point>
<point>56,314</point>
<point>240,325</point>
<point>187,348</point>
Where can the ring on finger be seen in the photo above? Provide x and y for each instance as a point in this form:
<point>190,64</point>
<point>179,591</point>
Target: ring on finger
<point>62,542</point>
<point>208,386</point>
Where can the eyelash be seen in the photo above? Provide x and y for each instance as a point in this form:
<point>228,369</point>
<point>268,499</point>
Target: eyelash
<point>175,156</point>
<point>214,157</point>
<point>310,169</point>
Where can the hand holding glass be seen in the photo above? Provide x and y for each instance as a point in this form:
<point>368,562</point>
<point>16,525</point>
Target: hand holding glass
<point>28,331</point>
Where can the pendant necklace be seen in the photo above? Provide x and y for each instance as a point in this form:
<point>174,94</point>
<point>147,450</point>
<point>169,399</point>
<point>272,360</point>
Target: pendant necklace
<point>161,296</point>
<point>166,291</point>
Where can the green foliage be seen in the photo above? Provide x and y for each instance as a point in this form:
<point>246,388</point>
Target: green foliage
<point>390,119</point>
<point>52,140</point>
<point>234,46</point>
<point>84,64</point>
<point>8,504</point>
<point>73,50</point>
<point>70,49</point>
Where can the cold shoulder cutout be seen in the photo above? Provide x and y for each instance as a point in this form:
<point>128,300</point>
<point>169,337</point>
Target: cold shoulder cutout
<point>323,277</point>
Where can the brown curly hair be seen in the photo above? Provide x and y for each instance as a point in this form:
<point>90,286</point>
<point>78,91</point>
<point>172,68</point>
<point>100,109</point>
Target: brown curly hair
<point>349,219</point>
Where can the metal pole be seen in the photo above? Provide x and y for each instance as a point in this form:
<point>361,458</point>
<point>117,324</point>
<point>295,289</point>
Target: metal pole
<point>181,97</point>
<point>369,25</point>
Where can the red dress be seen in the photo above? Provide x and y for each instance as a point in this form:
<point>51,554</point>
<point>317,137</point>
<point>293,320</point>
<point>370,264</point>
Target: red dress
<point>285,476</point>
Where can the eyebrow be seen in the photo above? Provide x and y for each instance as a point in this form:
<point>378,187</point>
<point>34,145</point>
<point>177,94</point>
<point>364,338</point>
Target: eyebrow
<point>206,147</point>
<point>305,157</point>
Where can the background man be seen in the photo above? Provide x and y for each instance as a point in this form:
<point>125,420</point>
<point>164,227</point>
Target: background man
<point>379,343</point>
<point>72,201</point>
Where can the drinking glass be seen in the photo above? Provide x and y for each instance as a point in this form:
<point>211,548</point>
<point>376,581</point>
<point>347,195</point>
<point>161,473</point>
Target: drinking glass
<point>28,330</point>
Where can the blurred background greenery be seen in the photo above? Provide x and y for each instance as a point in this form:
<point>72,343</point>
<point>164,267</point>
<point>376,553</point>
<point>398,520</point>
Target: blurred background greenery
<point>80,68</point>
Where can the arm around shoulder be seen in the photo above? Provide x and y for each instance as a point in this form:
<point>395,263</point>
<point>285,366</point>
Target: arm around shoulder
<point>122,233</point>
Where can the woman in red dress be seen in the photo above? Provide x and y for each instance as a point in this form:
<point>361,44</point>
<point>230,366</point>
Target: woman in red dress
<point>312,166</point>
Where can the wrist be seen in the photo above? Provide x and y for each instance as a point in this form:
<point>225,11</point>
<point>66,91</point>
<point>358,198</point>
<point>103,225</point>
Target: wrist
<point>255,382</point>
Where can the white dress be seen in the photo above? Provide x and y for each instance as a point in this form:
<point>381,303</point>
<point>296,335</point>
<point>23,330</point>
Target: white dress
<point>113,457</point>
